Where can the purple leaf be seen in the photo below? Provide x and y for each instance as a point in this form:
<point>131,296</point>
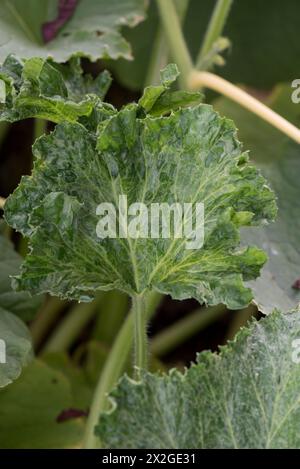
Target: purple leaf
<point>66,9</point>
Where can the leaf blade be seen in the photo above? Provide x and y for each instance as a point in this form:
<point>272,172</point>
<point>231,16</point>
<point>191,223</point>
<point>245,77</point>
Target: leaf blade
<point>143,159</point>
<point>245,397</point>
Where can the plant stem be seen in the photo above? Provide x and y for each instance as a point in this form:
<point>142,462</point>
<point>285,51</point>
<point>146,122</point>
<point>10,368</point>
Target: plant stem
<point>7,231</point>
<point>158,59</point>
<point>174,35</point>
<point>140,334</point>
<point>178,333</point>
<point>113,369</point>
<point>2,202</point>
<point>22,246</point>
<point>215,28</point>
<point>71,326</point>
<point>111,316</point>
<point>47,317</point>
<point>210,80</point>
<point>40,127</point>
<point>240,319</point>
<point>159,54</point>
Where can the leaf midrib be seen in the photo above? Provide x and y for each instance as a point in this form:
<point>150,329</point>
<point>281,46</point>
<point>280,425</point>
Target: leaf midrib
<point>25,28</point>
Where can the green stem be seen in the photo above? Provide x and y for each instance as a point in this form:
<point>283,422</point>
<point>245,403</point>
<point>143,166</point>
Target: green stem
<point>71,326</point>
<point>40,127</point>
<point>215,28</point>
<point>23,246</point>
<point>240,319</point>
<point>159,54</point>
<point>47,317</point>
<point>172,29</point>
<point>158,59</point>
<point>178,333</point>
<point>113,369</point>
<point>112,313</point>
<point>140,334</point>
<point>7,231</point>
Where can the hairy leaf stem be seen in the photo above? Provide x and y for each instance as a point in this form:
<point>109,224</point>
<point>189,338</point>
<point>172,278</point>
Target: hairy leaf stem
<point>140,334</point>
<point>114,367</point>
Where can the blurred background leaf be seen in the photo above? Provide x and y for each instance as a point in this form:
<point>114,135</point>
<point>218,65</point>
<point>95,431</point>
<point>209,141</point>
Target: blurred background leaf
<point>93,29</point>
<point>264,38</point>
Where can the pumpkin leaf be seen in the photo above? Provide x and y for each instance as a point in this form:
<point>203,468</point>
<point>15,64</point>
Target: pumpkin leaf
<point>92,30</point>
<point>247,396</point>
<point>192,156</point>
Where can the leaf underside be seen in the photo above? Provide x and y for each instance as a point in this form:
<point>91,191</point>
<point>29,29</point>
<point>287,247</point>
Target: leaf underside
<point>245,397</point>
<point>92,31</point>
<point>30,408</point>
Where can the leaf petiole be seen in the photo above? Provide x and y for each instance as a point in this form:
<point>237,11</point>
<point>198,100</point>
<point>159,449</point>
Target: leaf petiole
<point>114,367</point>
<point>140,334</point>
<point>178,48</point>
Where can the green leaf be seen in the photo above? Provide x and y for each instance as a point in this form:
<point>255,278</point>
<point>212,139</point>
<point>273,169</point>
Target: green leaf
<point>93,30</point>
<point>279,159</point>
<point>159,100</point>
<point>191,156</point>
<point>30,407</point>
<point>82,390</point>
<point>43,89</point>
<point>18,303</point>
<point>245,397</point>
<point>15,347</point>
<point>15,341</point>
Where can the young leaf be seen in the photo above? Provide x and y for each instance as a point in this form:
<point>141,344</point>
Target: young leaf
<point>15,347</point>
<point>92,30</point>
<point>245,397</point>
<point>189,157</point>
<point>159,100</point>
<point>41,88</point>
<point>279,160</point>
<point>30,410</point>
